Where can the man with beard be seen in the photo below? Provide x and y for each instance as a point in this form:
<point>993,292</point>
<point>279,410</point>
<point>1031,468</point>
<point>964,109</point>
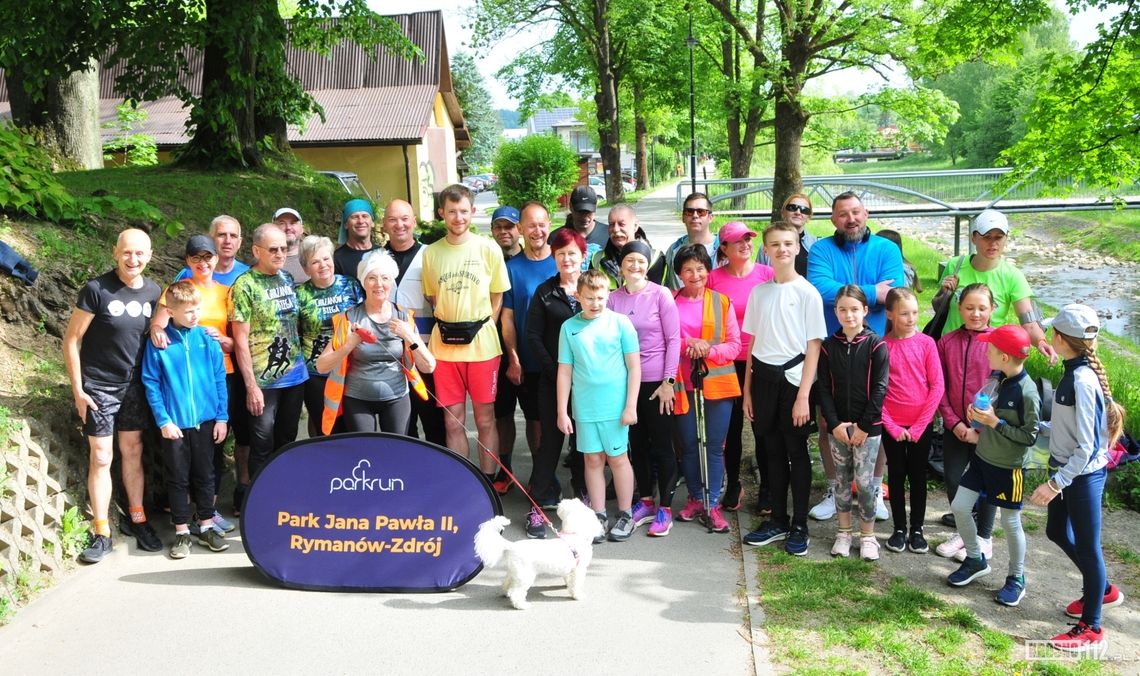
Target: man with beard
<point>289,220</point>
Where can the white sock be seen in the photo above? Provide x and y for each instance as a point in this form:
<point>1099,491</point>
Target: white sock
<point>878,483</point>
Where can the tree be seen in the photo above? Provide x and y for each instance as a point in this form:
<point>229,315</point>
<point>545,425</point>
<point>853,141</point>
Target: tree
<point>48,52</point>
<point>584,37</point>
<point>790,44</point>
<point>1085,128</point>
<point>475,101</point>
<point>539,167</point>
<point>247,98</point>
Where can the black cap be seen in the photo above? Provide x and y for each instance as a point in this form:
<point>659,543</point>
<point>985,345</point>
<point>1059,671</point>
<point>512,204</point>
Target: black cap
<point>583,199</point>
<point>199,243</point>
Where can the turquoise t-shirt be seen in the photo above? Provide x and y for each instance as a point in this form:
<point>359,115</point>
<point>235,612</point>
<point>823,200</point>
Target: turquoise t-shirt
<point>1007,284</point>
<point>599,384</point>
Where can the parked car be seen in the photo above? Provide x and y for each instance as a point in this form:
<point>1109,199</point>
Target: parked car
<point>477,186</point>
<point>350,182</point>
<point>490,181</point>
<point>599,186</point>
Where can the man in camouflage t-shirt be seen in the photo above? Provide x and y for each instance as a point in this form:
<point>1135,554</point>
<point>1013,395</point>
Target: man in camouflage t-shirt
<point>264,314</point>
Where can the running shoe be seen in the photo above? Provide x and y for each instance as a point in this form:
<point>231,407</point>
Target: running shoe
<point>143,533</point>
<point>1013,591</point>
<point>644,511</point>
<point>662,523</point>
<point>797,542</point>
<point>869,548</point>
<point>222,523</point>
<point>842,546</point>
<point>767,533</point>
<point>1082,639</point>
<point>949,548</point>
<point>213,539</point>
<point>502,484</point>
<point>970,570</point>
<point>1113,597</point>
<point>716,520</point>
<point>692,510</point>
<point>535,524</point>
<point>918,543</point>
<point>605,521</point>
<point>181,547</point>
<point>622,528</point>
<point>985,544</point>
<point>881,513</point>
<point>897,541</point>
<point>825,508</point>
<point>99,547</point>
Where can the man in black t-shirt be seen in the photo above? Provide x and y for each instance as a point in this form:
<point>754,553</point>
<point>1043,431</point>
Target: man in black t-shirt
<point>355,237</point>
<point>102,350</point>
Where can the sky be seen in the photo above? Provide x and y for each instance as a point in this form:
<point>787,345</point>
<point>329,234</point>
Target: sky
<point>1082,29</point>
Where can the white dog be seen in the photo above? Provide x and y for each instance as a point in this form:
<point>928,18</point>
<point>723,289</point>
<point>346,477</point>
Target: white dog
<point>567,555</point>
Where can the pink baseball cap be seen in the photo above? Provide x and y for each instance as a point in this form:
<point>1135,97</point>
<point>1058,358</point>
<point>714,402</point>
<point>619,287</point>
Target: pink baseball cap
<point>734,231</point>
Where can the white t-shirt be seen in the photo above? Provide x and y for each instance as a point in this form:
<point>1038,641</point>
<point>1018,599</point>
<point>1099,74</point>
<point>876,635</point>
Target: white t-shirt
<point>783,318</point>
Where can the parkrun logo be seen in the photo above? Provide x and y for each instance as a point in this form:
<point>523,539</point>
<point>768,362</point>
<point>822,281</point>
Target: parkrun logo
<point>360,481</point>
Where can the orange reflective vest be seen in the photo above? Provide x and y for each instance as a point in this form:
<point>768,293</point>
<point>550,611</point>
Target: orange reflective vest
<point>721,382</point>
<point>334,385</point>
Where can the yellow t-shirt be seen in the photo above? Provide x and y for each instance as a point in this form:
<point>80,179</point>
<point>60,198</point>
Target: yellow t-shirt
<point>214,312</point>
<point>461,278</point>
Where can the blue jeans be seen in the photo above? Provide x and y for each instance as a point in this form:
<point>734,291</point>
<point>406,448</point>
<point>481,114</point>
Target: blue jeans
<point>717,415</point>
<point>1074,524</point>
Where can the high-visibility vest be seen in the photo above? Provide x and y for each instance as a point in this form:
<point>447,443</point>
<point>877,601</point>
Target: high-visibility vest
<point>334,385</point>
<point>721,382</point>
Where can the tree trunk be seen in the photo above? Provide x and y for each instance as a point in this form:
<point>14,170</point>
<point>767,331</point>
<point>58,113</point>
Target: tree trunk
<point>609,135</point>
<point>744,115</point>
<point>64,117</point>
<point>790,124</point>
<point>641,156</point>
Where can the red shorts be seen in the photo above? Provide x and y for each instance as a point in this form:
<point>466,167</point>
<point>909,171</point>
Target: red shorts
<point>454,380</point>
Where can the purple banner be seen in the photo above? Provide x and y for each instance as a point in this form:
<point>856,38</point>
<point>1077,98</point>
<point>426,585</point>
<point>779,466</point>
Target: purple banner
<point>367,512</point>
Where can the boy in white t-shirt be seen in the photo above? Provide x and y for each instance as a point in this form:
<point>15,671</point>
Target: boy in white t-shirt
<point>785,318</point>
<point>606,377</point>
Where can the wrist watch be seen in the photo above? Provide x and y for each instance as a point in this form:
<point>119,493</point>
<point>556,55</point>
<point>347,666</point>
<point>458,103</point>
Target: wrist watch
<point>671,381</point>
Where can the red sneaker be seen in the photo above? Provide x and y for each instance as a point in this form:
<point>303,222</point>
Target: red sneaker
<point>1081,639</point>
<point>502,485</point>
<point>1114,597</point>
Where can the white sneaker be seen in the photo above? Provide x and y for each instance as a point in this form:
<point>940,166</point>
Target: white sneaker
<point>869,548</point>
<point>826,508</point>
<point>987,547</point>
<point>842,546</point>
<point>951,547</point>
<point>881,513</point>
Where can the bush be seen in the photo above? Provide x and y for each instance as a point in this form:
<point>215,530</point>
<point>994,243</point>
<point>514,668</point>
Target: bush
<point>28,187</point>
<point>540,168</point>
<point>1124,483</point>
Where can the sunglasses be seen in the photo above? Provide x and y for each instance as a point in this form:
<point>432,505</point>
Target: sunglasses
<point>695,211</point>
<point>275,249</point>
<point>201,258</point>
<point>794,208</point>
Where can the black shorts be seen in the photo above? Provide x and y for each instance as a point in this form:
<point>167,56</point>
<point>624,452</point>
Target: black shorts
<point>122,408</point>
<point>239,414</point>
<point>525,394</point>
<point>772,400</point>
<point>999,486</point>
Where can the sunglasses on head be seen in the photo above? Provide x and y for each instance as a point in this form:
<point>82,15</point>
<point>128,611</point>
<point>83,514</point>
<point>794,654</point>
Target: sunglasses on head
<point>806,211</point>
<point>696,211</point>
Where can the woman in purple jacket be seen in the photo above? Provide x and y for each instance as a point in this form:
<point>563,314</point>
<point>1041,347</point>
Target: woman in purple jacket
<point>653,312</point>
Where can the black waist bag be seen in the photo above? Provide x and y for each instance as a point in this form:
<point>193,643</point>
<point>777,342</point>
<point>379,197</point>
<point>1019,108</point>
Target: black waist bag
<point>459,333</point>
<point>772,373</point>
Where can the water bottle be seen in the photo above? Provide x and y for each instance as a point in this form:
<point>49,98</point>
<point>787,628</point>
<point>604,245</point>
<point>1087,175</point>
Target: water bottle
<point>984,398</point>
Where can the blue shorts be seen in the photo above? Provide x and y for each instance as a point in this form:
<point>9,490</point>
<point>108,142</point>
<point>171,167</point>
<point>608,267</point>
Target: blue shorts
<point>997,485</point>
<point>607,435</point>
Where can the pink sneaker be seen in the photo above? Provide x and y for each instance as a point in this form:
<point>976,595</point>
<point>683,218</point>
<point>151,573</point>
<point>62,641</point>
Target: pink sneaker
<point>986,545</point>
<point>716,520</point>
<point>662,523</point>
<point>692,510</point>
<point>949,548</point>
<point>644,511</point>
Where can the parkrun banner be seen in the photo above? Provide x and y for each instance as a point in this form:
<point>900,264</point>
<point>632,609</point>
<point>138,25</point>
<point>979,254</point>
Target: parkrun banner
<point>367,512</point>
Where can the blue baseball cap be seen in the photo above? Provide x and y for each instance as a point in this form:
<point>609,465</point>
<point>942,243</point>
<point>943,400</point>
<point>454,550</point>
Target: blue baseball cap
<point>506,213</point>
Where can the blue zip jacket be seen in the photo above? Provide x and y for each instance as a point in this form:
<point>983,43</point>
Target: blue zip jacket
<point>1079,435</point>
<point>834,262</point>
<point>186,383</point>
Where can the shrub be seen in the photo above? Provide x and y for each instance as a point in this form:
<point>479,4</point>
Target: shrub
<point>28,187</point>
<point>539,167</point>
<point>1124,483</point>
<point>136,148</point>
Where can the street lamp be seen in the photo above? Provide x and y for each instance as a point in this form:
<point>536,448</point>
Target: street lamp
<point>692,43</point>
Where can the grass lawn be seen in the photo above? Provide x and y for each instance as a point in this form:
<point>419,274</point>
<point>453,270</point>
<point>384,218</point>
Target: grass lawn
<point>915,162</point>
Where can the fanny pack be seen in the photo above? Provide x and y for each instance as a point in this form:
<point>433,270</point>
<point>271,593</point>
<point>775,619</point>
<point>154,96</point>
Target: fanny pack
<point>459,333</point>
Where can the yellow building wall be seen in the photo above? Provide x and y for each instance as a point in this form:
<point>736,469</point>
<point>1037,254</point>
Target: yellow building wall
<point>380,168</point>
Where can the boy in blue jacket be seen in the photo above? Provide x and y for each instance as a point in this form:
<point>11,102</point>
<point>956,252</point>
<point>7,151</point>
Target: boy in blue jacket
<point>186,388</point>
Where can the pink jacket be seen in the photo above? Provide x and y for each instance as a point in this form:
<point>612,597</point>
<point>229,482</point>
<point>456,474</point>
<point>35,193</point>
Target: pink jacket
<point>965,367</point>
<point>916,386</point>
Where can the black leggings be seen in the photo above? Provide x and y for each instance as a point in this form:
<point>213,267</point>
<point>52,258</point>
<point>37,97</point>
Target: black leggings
<point>734,444</point>
<point>361,415</point>
<point>651,447</point>
<point>906,461</point>
<point>956,454</point>
<point>543,479</point>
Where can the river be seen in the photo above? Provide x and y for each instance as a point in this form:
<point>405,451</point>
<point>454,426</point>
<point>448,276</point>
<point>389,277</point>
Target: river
<point>1059,273</point>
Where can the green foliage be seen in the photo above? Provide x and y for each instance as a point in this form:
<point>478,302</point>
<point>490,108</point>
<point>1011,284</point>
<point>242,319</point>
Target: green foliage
<point>8,427</point>
<point>138,149</point>
<point>539,167</point>
<point>73,532</point>
<point>1124,483</point>
<point>475,102</point>
<point>28,187</point>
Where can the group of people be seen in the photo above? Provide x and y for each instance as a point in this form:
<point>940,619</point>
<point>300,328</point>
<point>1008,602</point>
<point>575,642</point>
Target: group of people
<point>646,361</point>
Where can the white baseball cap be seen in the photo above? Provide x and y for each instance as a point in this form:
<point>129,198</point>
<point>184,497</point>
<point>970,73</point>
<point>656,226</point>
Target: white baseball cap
<point>989,220</point>
<point>1076,321</point>
<point>286,210</point>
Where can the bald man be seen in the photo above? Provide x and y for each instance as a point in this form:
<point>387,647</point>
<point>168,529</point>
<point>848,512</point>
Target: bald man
<point>102,350</point>
<point>399,225</point>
